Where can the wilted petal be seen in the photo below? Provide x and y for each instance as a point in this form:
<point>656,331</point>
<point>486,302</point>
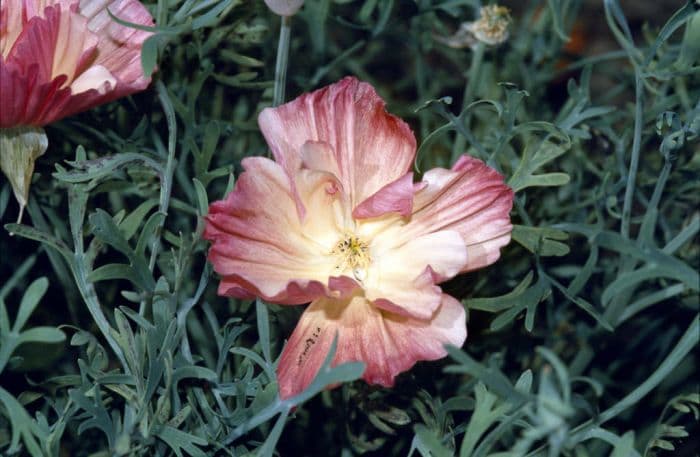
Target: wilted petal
<point>388,344</point>
<point>370,147</point>
<point>471,199</point>
<point>403,278</point>
<point>260,245</point>
<point>19,149</point>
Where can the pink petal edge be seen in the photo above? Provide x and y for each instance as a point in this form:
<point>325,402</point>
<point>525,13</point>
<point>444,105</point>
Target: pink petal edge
<point>472,199</point>
<point>386,343</point>
<point>370,147</point>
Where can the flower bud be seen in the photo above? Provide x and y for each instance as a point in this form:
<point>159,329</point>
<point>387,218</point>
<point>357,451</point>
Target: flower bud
<point>284,7</point>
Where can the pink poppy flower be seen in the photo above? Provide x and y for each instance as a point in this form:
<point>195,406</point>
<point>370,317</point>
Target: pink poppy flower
<point>60,57</point>
<point>337,220</point>
<point>57,58</point>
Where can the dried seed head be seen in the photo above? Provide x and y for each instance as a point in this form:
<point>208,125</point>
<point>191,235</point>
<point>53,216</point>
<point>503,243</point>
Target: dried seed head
<point>491,28</point>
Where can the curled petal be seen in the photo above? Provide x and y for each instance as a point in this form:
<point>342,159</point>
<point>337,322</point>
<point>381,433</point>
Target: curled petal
<point>395,197</point>
<point>260,245</point>
<point>388,344</point>
<point>97,77</point>
<point>472,199</point>
<point>370,148</point>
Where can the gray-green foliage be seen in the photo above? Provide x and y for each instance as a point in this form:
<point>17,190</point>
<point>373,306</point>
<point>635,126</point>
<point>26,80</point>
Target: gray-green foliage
<point>579,336</point>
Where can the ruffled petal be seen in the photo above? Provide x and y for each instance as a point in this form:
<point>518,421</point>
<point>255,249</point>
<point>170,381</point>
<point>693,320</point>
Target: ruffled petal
<point>472,199</point>
<point>402,279</point>
<point>260,245</point>
<point>370,147</point>
<point>388,344</point>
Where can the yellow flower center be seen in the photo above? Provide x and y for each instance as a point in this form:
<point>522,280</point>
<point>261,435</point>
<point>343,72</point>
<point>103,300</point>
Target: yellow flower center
<point>353,254</point>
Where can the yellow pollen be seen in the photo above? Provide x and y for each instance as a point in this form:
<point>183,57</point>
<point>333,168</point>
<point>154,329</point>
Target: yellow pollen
<point>353,254</point>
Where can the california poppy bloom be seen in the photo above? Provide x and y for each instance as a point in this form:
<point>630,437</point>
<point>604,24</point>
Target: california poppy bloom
<point>57,58</point>
<point>338,221</point>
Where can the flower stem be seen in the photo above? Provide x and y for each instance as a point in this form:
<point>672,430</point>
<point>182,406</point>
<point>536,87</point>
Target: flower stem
<point>469,89</point>
<point>166,184</point>
<point>627,264</point>
<point>634,159</point>
<point>282,59</point>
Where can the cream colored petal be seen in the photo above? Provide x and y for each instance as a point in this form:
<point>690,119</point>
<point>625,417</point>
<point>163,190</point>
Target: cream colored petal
<point>97,77</point>
<point>403,278</point>
<point>73,38</point>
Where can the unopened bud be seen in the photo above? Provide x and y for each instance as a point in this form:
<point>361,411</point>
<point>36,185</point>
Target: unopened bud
<point>284,7</point>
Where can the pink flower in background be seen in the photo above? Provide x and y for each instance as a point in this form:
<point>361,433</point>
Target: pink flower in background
<point>57,58</point>
<point>337,220</point>
<point>60,57</point>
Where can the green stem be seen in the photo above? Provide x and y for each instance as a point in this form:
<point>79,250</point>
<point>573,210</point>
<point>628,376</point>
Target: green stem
<point>615,309</point>
<point>469,89</point>
<point>87,290</point>
<point>282,59</point>
<point>634,159</point>
<point>166,184</point>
